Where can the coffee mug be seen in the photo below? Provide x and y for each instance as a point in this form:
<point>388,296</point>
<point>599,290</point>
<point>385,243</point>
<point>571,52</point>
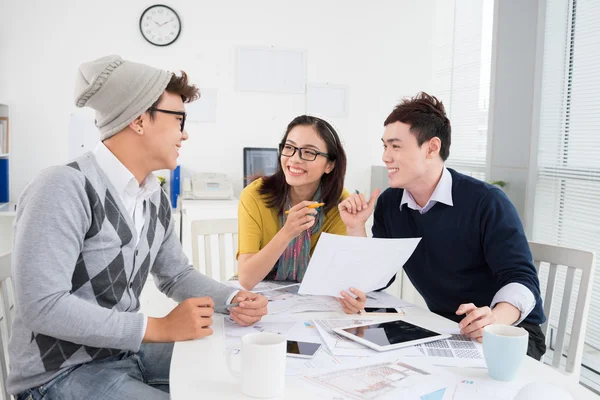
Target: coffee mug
<point>262,373</point>
<point>504,347</point>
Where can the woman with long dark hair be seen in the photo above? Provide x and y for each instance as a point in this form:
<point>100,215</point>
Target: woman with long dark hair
<point>279,223</point>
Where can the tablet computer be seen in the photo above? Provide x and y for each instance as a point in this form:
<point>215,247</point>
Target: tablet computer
<point>390,335</point>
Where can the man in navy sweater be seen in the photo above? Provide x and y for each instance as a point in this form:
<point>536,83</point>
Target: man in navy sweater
<point>473,264</point>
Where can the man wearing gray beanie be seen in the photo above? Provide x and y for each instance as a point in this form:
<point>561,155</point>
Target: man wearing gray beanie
<point>86,236</point>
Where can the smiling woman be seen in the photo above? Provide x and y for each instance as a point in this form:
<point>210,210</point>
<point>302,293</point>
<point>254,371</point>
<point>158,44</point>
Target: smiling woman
<point>279,225</point>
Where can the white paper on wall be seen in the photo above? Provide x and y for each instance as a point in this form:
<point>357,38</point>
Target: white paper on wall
<point>327,100</point>
<point>270,70</point>
<point>83,134</point>
<point>205,108</point>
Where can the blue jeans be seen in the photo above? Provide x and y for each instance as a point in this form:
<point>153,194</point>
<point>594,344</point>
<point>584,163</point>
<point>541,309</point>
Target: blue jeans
<point>127,376</point>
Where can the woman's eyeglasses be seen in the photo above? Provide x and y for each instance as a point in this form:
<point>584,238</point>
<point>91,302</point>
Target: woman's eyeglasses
<point>286,149</point>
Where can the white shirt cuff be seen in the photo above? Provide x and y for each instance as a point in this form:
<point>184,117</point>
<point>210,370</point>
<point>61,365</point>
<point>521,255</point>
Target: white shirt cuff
<point>517,295</point>
<point>230,298</point>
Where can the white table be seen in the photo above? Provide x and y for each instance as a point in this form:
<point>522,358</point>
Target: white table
<point>198,367</point>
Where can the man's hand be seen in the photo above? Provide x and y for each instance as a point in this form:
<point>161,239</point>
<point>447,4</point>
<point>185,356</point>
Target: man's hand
<point>191,319</point>
<point>251,309</point>
<point>355,211</point>
<point>475,320</point>
<point>350,304</point>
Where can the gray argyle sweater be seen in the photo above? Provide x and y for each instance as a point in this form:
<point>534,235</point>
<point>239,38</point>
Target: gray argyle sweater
<point>78,272</point>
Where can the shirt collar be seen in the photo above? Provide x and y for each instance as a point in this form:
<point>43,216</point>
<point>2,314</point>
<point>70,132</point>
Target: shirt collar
<point>121,178</point>
<point>441,194</point>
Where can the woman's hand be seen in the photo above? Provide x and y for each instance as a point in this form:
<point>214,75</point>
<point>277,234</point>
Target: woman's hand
<point>299,219</point>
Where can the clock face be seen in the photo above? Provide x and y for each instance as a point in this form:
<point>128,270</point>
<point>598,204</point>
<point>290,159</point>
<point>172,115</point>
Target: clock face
<point>160,25</point>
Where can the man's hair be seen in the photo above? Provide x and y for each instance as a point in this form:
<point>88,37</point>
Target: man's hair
<point>179,85</point>
<point>427,119</point>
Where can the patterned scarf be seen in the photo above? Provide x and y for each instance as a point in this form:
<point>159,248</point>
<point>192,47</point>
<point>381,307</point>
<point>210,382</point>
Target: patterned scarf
<point>294,260</point>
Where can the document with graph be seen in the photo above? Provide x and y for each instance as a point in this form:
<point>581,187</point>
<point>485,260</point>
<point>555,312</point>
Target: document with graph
<point>381,381</point>
<point>456,351</point>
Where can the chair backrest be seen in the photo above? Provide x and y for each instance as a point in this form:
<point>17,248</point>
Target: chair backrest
<point>220,228</point>
<point>574,260</point>
<point>5,315</point>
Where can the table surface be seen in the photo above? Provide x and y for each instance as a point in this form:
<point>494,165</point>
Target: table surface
<point>198,367</point>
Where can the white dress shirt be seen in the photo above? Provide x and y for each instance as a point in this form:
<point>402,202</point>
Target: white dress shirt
<point>514,293</point>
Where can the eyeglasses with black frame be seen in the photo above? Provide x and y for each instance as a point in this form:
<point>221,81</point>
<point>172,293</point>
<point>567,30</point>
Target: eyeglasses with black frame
<point>288,150</point>
<point>180,113</point>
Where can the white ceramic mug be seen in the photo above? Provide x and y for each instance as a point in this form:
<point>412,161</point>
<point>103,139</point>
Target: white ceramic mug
<point>262,372</point>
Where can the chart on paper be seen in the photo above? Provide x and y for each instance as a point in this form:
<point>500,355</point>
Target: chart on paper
<point>387,380</point>
<point>458,350</point>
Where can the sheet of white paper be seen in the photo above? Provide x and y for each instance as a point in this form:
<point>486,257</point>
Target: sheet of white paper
<point>286,302</point>
<point>396,379</point>
<point>385,300</point>
<point>456,351</point>
<point>476,389</point>
<point>233,330</point>
<point>341,262</point>
<point>323,361</point>
<point>263,286</point>
<point>305,331</point>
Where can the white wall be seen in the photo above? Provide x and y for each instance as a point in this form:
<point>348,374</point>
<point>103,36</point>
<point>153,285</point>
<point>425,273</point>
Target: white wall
<point>381,50</point>
<point>512,98</point>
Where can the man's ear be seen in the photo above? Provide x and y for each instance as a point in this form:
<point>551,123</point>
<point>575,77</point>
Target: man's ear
<point>433,147</point>
<point>137,125</point>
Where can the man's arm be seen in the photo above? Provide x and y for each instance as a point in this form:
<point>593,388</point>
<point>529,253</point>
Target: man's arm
<point>507,253</point>
<point>178,279</point>
<point>53,217</point>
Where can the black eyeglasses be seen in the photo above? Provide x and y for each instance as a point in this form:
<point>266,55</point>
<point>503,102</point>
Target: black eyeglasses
<point>286,149</point>
<point>181,113</point>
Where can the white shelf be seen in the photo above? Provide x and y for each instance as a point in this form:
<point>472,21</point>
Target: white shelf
<point>4,155</point>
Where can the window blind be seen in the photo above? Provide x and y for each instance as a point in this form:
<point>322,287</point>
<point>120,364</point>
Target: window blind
<point>567,190</point>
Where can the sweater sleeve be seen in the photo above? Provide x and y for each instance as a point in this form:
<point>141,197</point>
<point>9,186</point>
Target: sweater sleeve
<point>178,279</point>
<point>53,217</point>
<point>504,243</point>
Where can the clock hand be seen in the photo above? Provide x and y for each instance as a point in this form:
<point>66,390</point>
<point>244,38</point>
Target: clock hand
<point>172,19</point>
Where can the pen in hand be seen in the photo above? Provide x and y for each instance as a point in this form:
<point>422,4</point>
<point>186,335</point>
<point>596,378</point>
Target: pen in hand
<point>223,309</point>
<point>315,205</point>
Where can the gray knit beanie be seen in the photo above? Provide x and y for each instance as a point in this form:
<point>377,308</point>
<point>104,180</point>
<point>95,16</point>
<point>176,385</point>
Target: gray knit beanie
<point>119,91</point>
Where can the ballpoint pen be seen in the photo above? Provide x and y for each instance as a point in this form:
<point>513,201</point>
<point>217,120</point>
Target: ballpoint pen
<point>222,309</point>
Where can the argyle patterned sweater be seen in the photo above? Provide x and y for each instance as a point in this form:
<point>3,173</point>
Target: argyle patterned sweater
<point>78,273</point>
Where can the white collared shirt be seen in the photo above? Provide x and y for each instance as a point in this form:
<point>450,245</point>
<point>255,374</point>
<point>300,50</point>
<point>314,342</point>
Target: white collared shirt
<point>514,293</point>
<point>441,194</point>
<point>133,195</point>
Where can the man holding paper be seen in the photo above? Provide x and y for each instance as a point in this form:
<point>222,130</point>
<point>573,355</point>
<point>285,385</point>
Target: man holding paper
<point>473,264</point>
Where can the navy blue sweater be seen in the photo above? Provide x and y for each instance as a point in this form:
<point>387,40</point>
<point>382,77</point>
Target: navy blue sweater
<point>468,251</point>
